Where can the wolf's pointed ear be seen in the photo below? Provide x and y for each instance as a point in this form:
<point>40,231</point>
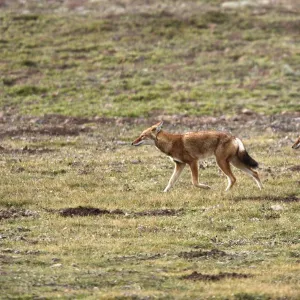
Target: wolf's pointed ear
<point>159,126</point>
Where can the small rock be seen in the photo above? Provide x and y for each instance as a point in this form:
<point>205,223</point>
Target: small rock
<point>236,118</point>
<point>237,4</point>
<point>55,259</point>
<point>136,161</point>
<point>297,120</point>
<point>277,207</point>
<point>56,266</point>
<point>247,112</point>
<point>287,70</point>
<point>22,229</point>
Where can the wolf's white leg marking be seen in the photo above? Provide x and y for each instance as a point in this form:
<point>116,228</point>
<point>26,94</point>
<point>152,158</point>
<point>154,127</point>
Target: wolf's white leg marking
<point>254,175</point>
<point>176,173</point>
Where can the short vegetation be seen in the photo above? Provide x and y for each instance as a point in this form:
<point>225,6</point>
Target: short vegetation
<point>82,213</point>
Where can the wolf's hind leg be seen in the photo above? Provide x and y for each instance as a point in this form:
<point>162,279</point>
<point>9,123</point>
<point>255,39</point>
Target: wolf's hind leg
<point>225,167</point>
<point>253,174</point>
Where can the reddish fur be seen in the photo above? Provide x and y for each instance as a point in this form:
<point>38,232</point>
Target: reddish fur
<point>296,144</point>
<point>190,147</point>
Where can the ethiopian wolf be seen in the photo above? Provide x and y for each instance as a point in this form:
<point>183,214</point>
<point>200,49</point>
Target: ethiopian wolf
<point>296,144</point>
<point>189,148</point>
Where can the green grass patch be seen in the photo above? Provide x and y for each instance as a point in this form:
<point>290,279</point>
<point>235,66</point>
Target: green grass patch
<point>108,59</point>
<point>137,64</point>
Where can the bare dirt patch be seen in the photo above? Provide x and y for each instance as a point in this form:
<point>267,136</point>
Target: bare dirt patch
<point>290,198</point>
<point>44,130</point>
<point>12,213</point>
<point>295,168</point>
<point>53,124</point>
<point>55,119</point>
<point>26,149</point>
<point>60,130</point>
<point>215,253</point>
<point>214,277</point>
<point>287,122</point>
<point>82,211</point>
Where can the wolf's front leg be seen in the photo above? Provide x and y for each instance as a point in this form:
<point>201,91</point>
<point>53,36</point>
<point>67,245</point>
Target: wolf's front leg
<point>195,179</point>
<point>177,171</point>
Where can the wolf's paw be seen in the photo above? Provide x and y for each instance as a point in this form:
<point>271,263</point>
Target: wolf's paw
<point>204,186</point>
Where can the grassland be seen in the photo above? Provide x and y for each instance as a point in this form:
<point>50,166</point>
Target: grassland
<point>197,60</point>
<point>145,241</point>
<point>79,81</point>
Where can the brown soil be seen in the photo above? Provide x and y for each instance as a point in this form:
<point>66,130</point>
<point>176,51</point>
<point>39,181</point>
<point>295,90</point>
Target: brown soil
<point>214,277</point>
<point>92,211</point>
<point>211,253</point>
<point>44,130</point>
<point>87,211</point>
<point>295,168</point>
<point>27,150</point>
<point>14,125</point>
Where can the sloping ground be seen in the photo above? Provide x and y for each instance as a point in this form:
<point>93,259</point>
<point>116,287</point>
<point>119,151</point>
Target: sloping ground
<point>148,58</point>
<point>82,214</point>
<point>107,7</point>
<point>58,125</point>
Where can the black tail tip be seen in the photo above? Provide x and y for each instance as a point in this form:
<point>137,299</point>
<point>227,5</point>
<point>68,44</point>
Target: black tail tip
<point>248,160</point>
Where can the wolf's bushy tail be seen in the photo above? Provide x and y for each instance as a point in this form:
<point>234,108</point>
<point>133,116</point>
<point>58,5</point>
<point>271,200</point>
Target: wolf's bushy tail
<point>244,156</point>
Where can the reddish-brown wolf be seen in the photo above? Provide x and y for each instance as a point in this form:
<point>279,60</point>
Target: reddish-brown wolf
<point>189,148</point>
<point>296,144</point>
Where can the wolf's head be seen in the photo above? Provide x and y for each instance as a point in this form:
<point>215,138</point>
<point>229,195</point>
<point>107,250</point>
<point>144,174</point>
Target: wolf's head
<point>148,135</point>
